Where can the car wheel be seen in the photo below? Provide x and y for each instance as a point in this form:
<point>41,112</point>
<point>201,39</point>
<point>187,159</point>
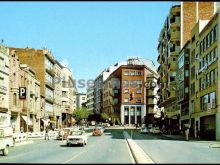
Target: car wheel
<point>6,151</point>
<point>67,144</point>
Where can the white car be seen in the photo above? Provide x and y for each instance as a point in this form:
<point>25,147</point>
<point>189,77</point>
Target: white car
<point>76,137</point>
<point>143,130</point>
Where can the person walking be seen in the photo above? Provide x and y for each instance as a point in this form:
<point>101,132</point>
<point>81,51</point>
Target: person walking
<point>47,134</point>
<point>187,134</point>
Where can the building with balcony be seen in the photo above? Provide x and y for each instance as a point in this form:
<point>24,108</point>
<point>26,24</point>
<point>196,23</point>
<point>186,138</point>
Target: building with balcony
<point>4,86</point>
<point>25,113</point>
<point>68,105</point>
<point>44,69</point>
<point>80,99</point>
<point>125,94</point>
<point>204,109</point>
<point>90,99</point>
<point>174,34</point>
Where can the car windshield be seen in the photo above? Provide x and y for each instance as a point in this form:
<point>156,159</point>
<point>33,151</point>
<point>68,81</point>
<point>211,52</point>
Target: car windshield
<point>76,133</point>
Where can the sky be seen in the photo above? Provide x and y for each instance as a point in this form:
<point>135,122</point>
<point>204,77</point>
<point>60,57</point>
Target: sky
<point>88,36</point>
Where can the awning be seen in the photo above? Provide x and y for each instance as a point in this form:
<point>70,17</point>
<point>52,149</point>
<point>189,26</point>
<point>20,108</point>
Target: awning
<point>46,122</point>
<point>27,120</point>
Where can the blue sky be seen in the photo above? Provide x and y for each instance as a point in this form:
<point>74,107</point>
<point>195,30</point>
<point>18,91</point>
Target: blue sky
<point>89,35</point>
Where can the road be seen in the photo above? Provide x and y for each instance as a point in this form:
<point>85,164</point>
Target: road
<point>162,149</point>
<point>112,148</point>
<point>103,149</point>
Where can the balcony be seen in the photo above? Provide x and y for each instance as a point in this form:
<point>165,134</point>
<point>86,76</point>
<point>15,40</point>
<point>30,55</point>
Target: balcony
<point>159,59</point>
<point>172,66</point>
<point>66,106</point>
<point>174,50</point>
<point>49,99</point>
<point>115,92</point>
<point>175,36</point>
<point>175,22</point>
<point>32,93</point>
<point>51,72</point>
<point>49,84</point>
<point>152,101</point>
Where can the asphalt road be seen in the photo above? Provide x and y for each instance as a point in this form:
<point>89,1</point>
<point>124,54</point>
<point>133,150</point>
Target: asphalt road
<point>165,150</point>
<point>108,148</point>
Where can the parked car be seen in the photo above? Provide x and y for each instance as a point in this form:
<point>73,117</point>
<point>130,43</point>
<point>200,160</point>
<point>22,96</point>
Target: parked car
<point>63,133</point>
<point>143,130</point>
<point>155,130</point>
<point>76,137</point>
<point>6,139</point>
<point>97,132</point>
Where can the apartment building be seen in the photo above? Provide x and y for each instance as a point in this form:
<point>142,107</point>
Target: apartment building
<point>81,98</point>
<point>125,94</point>
<point>182,81</point>
<point>90,99</point>
<point>4,86</point>
<point>25,114</point>
<point>204,105</point>
<point>174,35</point>
<point>68,97</point>
<point>58,94</point>
<point>42,62</point>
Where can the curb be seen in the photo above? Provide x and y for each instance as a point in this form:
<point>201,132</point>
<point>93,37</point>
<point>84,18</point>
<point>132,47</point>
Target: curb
<point>138,153</point>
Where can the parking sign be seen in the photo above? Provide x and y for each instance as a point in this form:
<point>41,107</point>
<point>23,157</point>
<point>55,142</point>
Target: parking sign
<point>22,93</point>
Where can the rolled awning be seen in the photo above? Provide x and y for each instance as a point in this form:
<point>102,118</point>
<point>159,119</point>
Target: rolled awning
<point>27,120</point>
<point>46,122</point>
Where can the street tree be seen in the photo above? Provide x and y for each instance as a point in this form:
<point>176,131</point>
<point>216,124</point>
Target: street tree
<point>81,114</point>
<point>104,116</point>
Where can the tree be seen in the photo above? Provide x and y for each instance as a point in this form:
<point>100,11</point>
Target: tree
<point>80,114</point>
<point>104,116</point>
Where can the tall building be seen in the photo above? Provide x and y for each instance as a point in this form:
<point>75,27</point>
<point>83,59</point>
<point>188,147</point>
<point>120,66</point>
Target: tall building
<point>25,113</point>
<point>204,114</point>
<point>90,100</point>
<point>44,68</point>
<point>68,97</point>
<point>125,94</point>
<point>173,37</point>
<point>80,99</point>
<point>4,86</point>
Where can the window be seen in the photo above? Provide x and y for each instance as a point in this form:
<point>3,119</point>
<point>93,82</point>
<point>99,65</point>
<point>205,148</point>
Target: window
<point>201,47</point>
<point>207,41</point>
<point>132,83</point>
<point>138,73</point>
<point>15,99</point>
<point>126,73</point>
<point>126,91</point>
<point>211,37</point>
<point>187,73</point>
<point>125,83</point>
<point>215,53</point>
<point>215,33</point>
<point>139,82</point>
<point>139,91</point>
<point>193,72</point>
<point>132,73</point>
<point>126,100</point>
<point>192,88</point>
<point>138,100</point>
<point>213,99</point>
<point>193,38</point>
<point>204,44</point>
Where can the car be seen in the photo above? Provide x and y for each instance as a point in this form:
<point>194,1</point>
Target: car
<point>63,133</point>
<point>102,128</point>
<point>155,130</point>
<point>76,137</point>
<point>97,132</point>
<point>6,139</point>
<point>143,130</point>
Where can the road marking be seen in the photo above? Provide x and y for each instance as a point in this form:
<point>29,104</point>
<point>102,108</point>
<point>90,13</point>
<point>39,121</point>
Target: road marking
<point>129,151</point>
<point>73,157</point>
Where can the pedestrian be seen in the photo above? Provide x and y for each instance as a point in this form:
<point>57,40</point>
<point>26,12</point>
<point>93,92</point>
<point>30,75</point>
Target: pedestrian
<point>47,134</point>
<point>187,134</point>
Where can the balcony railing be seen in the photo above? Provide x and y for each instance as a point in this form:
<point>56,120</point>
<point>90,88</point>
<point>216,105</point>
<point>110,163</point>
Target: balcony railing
<point>50,84</point>
<point>50,71</point>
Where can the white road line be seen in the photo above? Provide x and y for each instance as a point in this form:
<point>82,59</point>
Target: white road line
<point>132,158</point>
<point>73,157</point>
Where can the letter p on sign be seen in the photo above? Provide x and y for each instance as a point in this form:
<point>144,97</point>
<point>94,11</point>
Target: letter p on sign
<point>22,93</point>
